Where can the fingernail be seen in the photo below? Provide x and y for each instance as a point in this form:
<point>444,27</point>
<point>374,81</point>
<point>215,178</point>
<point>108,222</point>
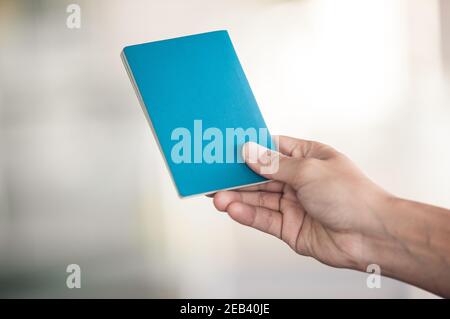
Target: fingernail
<point>254,153</point>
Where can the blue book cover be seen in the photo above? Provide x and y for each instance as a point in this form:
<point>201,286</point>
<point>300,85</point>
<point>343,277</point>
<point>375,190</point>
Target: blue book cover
<point>200,107</point>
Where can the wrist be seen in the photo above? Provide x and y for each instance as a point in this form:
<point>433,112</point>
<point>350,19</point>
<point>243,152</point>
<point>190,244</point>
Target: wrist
<point>383,244</point>
<point>375,234</point>
<point>409,243</point>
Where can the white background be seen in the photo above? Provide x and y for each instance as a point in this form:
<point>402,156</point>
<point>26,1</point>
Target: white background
<point>82,180</point>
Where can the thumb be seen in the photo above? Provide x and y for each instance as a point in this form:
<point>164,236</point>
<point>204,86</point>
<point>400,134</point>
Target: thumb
<point>270,163</point>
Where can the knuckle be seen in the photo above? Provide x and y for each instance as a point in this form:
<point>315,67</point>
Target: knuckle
<point>262,199</point>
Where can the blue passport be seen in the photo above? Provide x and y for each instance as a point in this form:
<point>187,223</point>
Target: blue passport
<point>200,107</point>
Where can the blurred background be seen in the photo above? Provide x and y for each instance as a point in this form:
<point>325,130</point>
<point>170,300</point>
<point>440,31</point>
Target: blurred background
<point>82,180</point>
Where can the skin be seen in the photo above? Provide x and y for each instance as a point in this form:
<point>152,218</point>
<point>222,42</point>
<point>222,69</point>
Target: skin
<point>323,206</point>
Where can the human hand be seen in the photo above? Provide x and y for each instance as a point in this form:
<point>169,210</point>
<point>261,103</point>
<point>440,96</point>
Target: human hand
<point>318,201</point>
<point>323,206</point>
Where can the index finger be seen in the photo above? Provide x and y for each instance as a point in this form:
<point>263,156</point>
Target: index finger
<point>270,186</point>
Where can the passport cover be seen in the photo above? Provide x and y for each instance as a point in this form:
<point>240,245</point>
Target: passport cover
<point>188,85</point>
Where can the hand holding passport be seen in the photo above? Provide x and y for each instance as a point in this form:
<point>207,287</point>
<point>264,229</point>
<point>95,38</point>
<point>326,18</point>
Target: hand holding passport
<point>201,109</point>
